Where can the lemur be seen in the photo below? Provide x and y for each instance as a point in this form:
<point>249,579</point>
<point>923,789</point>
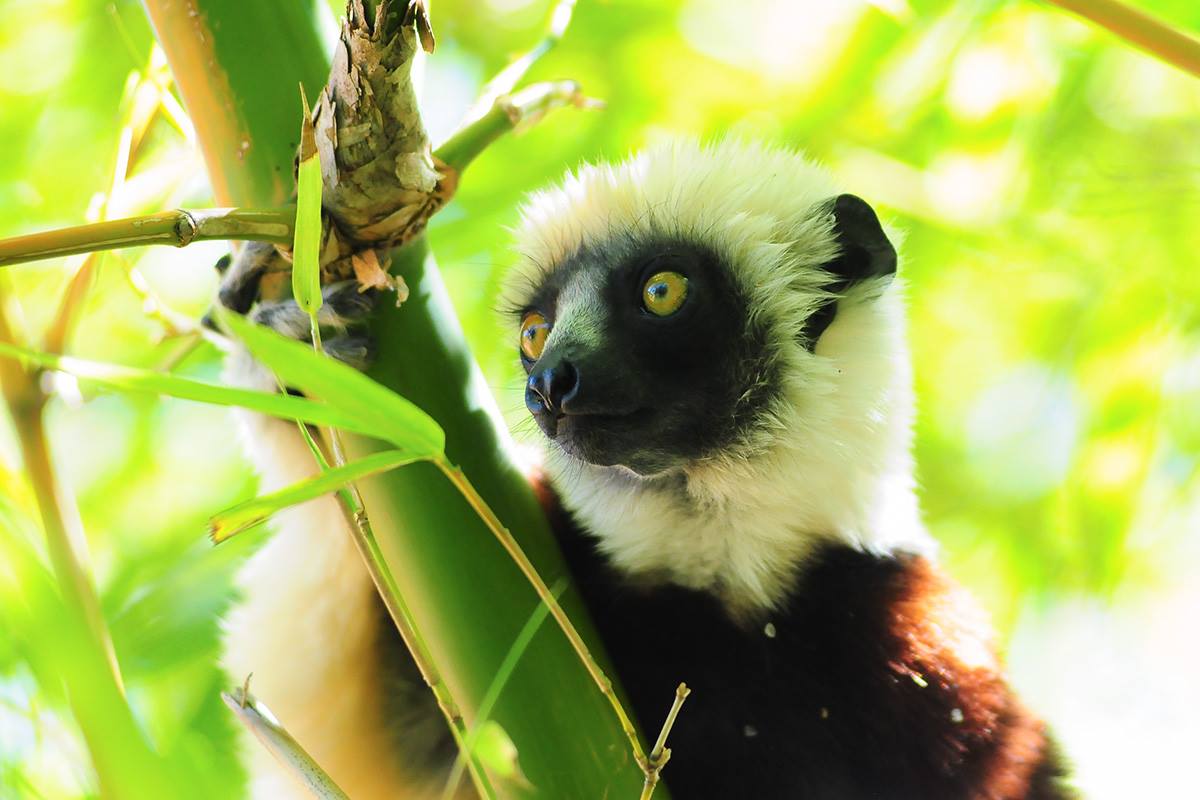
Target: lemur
<point>713,339</point>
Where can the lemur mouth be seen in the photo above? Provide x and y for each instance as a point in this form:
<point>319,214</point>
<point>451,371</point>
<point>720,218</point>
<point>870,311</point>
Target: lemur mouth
<point>576,423</point>
<point>600,439</point>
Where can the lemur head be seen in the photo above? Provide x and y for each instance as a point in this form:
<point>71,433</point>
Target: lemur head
<point>718,328</point>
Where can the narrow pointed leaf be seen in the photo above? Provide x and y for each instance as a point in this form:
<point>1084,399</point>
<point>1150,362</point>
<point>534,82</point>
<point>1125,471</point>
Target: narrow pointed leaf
<point>285,748</point>
<point>479,733</point>
<point>306,267</point>
<point>234,520</point>
<point>386,414</point>
<point>131,379</point>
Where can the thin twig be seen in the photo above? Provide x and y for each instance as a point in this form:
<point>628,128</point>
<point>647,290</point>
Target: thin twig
<point>459,479</point>
<point>354,510</point>
<point>498,110</point>
<point>518,110</point>
<point>174,322</point>
<point>507,79</point>
<point>352,507</point>
<point>1143,31</point>
<point>177,228</point>
<point>63,324</point>
<point>661,754</point>
<point>355,513</point>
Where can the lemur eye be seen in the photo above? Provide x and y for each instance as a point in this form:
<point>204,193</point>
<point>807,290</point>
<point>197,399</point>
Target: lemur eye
<point>664,293</point>
<point>534,330</point>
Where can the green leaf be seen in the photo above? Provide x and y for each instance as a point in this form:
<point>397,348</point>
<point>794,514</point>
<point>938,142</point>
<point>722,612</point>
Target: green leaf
<point>306,247</point>
<point>496,750</point>
<point>385,414</point>
<point>284,747</point>
<point>483,740</point>
<point>246,515</point>
<point>131,379</point>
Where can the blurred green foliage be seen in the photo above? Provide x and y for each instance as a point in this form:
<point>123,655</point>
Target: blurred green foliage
<point>1048,178</point>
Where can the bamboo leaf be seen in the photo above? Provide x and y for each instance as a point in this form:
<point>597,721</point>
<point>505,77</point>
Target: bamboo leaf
<point>482,740</point>
<point>131,379</point>
<point>238,518</point>
<point>284,747</point>
<point>496,750</point>
<point>386,414</point>
<point>306,267</point>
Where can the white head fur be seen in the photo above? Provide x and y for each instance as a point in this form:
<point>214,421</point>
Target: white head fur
<point>829,460</point>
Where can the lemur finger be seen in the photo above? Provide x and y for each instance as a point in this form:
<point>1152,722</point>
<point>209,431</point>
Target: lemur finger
<point>357,351</point>
<point>343,306</point>
<point>241,277</point>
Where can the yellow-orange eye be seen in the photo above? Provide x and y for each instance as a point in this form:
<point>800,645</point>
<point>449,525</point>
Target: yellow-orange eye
<point>534,331</point>
<point>664,293</point>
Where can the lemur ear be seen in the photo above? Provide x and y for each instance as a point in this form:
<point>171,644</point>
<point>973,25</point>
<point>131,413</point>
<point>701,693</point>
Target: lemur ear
<point>864,253</point>
<point>865,249</point>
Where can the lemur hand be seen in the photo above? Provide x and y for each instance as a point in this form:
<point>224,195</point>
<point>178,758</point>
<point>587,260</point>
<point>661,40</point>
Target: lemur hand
<point>342,317</point>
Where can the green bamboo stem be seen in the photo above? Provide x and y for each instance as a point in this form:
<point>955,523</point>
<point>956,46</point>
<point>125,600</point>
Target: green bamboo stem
<point>508,112</point>
<point>177,228</point>
<point>507,79</point>
<point>124,763</point>
<point>1141,30</point>
<point>26,403</point>
<point>246,128</point>
<point>239,86</point>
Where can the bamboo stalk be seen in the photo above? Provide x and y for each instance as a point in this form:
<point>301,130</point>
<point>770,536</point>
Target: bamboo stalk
<point>177,228</point>
<point>125,765</point>
<point>26,403</point>
<point>1140,29</point>
<point>414,511</point>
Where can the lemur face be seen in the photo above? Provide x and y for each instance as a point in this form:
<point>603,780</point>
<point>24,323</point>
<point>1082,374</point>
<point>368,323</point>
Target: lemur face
<point>672,305</point>
<point>640,352</point>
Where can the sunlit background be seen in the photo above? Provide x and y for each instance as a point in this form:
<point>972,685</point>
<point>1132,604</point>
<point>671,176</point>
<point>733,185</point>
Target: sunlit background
<point>1049,180</point>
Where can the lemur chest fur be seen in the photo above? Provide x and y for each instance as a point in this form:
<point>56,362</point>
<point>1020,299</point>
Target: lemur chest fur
<point>872,678</point>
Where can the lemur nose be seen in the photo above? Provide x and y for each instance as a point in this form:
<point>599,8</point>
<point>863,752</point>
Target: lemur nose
<point>549,387</point>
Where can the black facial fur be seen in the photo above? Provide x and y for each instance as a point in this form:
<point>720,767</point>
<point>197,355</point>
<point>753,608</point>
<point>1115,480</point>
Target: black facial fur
<point>653,392</point>
<point>864,253</point>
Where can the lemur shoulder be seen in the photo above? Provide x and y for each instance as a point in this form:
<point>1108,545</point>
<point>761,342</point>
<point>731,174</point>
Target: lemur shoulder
<point>714,345</point>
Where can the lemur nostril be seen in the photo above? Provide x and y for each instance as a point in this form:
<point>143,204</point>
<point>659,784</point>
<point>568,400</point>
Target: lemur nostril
<point>552,385</point>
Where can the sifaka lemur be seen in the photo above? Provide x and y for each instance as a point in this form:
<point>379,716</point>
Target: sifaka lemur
<point>713,338</point>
